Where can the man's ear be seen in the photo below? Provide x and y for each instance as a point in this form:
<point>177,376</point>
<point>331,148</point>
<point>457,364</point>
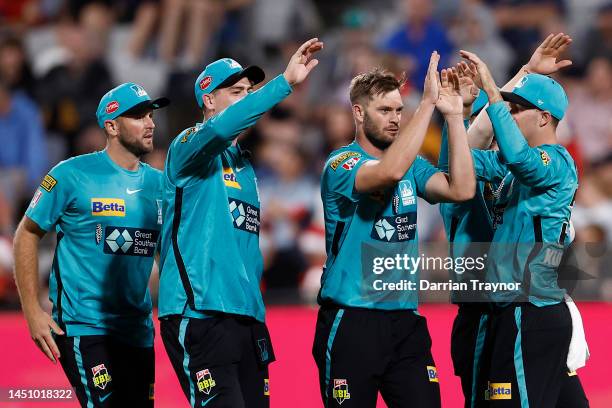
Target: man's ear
<point>545,119</point>
<point>358,112</point>
<point>208,102</point>
<point>111,127</point>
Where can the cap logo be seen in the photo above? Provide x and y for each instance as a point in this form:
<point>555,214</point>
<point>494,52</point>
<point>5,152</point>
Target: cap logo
<point>233,64</point>
<point>139,90</point>
<point>521,82</point>
<point>540,102</point>
<point>205,82</point>
<point>112,107</point>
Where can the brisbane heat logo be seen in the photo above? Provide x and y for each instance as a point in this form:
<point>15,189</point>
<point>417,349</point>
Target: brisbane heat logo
<point>112,107</point>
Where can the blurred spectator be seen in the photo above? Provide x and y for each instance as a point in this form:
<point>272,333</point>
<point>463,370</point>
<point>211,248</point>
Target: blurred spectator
<point>417,37</point>
<point>71,89</point>
<point>521,21</point>
<point>475,30</point>
<point>23,156</point>
<point>590,110</point>
<point>14,67</point>
<point>598,41</point>
<point>288,199</point>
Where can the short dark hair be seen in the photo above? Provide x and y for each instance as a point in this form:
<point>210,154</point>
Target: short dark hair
<point>374,82</point>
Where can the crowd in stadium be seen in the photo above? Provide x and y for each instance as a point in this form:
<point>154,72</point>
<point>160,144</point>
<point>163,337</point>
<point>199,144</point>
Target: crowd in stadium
<point>58,57</point>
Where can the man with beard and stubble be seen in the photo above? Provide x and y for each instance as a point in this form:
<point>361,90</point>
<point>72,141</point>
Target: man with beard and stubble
<point>106,210</point>
<point>369,336</point>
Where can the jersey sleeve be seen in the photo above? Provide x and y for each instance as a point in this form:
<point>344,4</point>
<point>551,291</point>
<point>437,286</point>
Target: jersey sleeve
<point>532,166</point>
<point>340,172</point>
<point>51,198</point>
<point>488,165</point>
<point>197,145</point>
<point>422,170</point>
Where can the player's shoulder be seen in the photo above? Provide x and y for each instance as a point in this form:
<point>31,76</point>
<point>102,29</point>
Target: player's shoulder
<point>76,163</point>
<point>348,155</point>
<point>557,156</point>
<point>150,170</point>
<point>185,135</point>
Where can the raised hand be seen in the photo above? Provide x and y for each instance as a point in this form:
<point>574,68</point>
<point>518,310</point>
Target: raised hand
<point>544,59</point>
<point>467,87</point>
<point>488,83</point>
<point>449,100</point>
<point>301,63</point>
<point>431,87</point>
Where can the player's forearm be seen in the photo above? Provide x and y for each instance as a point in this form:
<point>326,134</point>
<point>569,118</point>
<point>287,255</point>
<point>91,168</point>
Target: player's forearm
<point>480,133</point>
<point>512,145</point>
<point>227,125</point>
<point>462,182</point>
<point>401,154</point>
<point>25,247</point>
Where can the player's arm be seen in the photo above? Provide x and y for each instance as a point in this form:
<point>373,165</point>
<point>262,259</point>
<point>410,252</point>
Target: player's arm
<point>375,175</point>
<point>459,184</point>
<point>217,133</point>
<point>50,201</point>
<point>469,92</point>
<point>543,61</point>
<point>40,324</point>
<point>529,165</point>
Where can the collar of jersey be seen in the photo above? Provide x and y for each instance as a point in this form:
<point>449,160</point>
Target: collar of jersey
<point>135,173</point>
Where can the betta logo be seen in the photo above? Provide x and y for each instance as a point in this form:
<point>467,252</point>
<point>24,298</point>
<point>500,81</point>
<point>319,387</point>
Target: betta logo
<point>205,82</point>
<point>112,107</point>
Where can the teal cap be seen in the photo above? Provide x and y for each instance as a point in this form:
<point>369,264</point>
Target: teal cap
<point>127,98</point>
<point>540,92</point>
<point>223,73</point>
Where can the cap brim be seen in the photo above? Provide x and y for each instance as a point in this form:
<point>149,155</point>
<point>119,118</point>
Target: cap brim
<point>253,73</point>
<point>145,106</point>
<point>519,100</point>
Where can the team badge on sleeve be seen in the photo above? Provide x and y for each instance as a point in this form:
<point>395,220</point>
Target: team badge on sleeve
<point>35,198</point>
<point>350,163</point>
<point>342,157</point>
<point>545,157</point>
<point>48,183</point>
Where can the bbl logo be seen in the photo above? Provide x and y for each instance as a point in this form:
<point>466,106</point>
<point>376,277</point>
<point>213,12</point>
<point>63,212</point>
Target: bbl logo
<point>341,391</point>
<point>101,377</point>
<point>205,381</point>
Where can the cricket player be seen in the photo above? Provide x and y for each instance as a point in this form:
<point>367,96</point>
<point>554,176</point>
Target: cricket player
<point>469,226</point>
<point>106,210</point>
<point>369,336</point>
<point>210,305</point>
<point>530,327</point>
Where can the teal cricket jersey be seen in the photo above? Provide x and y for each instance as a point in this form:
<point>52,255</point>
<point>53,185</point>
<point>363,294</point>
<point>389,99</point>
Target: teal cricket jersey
<point>467,223</point>
<point>361,229</point>
<point>538,195</point>
<point>210,256</point>
<point>107,221</point>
